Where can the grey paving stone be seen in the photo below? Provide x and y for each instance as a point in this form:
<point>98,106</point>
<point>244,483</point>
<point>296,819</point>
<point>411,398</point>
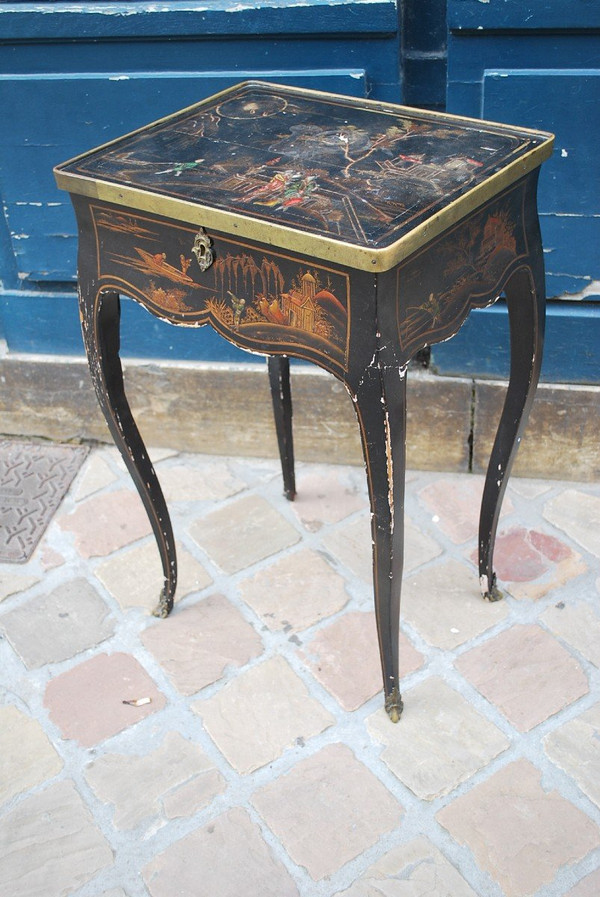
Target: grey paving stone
<point>575,747</point>
<point>416,869</point>
<point>577,513</point>
<point>27,757</point>
<point>327,810</point>
<point>226,858</point>
<point>50,628</point>
<point>202,479</point>
<point>440,741</point>
<point>260,713</point>
<point>176,779</point>
<point>350,543</point>
<point>518,832</point>
<point>587,887</point>
<point>579,625</point>
<point>242,533</point>
<point>295,592</point>
<point>135,577</point>
<point>50,846</point>
<point>11,582</point>
<point>95,475</point>
<point>444,604</point>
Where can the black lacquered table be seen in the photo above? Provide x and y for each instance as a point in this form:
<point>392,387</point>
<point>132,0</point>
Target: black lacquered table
<point>346,232</point>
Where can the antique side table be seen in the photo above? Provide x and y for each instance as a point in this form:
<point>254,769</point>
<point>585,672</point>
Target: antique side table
<point>347,232</point>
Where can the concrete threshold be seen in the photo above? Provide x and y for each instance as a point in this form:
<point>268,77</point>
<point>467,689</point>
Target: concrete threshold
<point>226,409</point>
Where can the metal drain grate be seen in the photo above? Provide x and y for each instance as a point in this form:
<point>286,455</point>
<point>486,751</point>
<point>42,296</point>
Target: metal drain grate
<point>33,482</point>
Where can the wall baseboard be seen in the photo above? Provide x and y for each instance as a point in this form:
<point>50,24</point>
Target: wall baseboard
<point>226,410</point>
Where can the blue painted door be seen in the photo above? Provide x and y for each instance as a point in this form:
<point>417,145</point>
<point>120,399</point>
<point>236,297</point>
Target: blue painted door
<point>74,76</point>
<point>538,65</point>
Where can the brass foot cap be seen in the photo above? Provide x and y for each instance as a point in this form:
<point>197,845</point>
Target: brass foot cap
<point>164,606</point>
<point>489,588</point>
<point>493,594</point>
<point>394,706</point>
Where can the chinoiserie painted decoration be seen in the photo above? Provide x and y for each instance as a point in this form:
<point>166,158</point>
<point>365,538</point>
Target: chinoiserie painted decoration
<point>346,232</point>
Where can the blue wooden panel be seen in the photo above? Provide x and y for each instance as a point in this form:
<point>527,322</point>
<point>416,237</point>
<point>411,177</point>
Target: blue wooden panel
<point>566,102</point>
<point>569,242</point>
<point>569,195</point>
<point>76,113</point>
<point>377,54</point>
<point>470,55</point>
<point>537,64</point>
<point>49,324</point>
<point>482,346</point>
<point>220,18</point>
<point>559,95</point>
<point>522,15</point>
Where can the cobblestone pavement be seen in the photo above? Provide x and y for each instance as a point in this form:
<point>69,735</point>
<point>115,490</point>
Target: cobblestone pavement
<point>256,758</point>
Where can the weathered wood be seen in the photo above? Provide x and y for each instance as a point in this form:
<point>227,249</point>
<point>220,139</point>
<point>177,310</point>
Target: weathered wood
<point>225,410</point>
<point>184,407</point>
<point>561,440</point>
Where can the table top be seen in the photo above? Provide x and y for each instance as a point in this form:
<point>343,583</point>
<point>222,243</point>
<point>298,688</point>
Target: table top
<point>359,182</point>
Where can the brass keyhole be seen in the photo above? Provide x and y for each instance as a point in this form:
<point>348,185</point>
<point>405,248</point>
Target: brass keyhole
<point>202,250</point>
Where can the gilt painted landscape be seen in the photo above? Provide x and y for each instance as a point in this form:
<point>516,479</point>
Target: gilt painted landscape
<point>259,300</point>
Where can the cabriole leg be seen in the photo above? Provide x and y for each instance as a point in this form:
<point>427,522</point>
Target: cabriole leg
<point>279,379</point>
<point>525,297</point>
<point>381,410</point>
<point>100,317</point>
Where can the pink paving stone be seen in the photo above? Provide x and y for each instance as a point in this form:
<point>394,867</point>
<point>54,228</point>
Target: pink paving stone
<point>195,645</point>
<point>526,673</point>
<point>344,657</point>
<point>326,498</point>
<point>456,503</point>
<point>226,858</point>
<point>328,810</point>
<point>518,832</point>
<point>295,592</point>
<point>530,563</point>
<point>50,559</point>
<point>106,522</point>
<point>86,702</point>
<point>521,555</point>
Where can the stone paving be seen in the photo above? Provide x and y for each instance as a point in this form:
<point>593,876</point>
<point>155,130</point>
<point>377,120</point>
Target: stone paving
<point>240,748</point>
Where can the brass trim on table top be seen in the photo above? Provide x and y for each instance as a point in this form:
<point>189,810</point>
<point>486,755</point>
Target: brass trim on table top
<point>296,240</point>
